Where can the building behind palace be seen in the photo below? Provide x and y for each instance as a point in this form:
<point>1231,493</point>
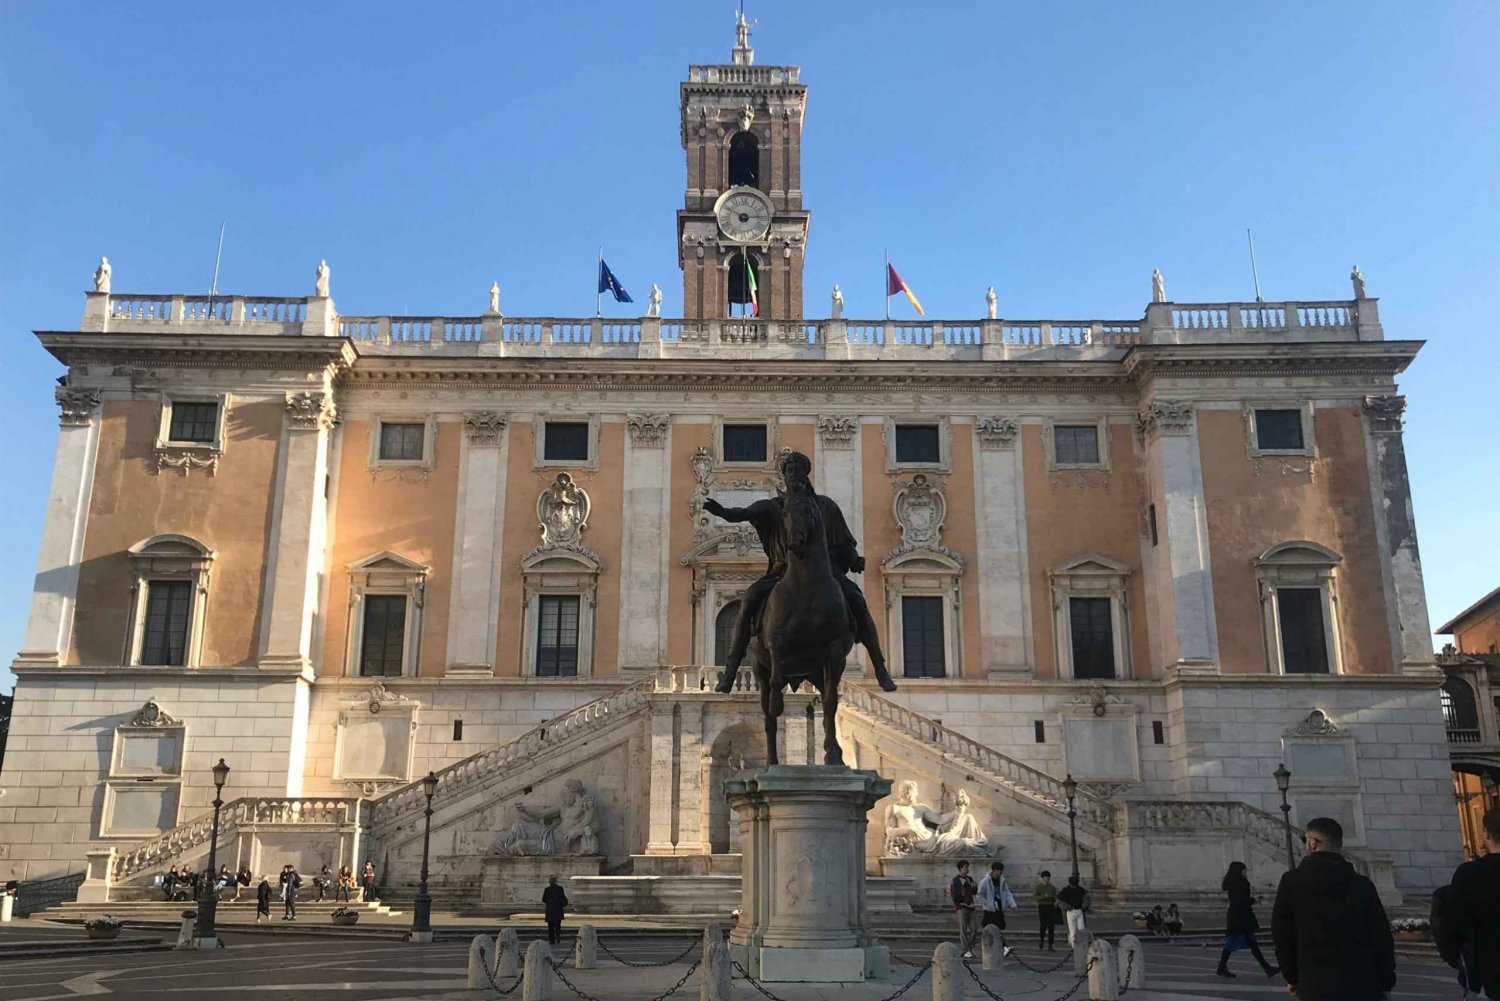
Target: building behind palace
<point>1471,713</point>
<point>1162,554</point>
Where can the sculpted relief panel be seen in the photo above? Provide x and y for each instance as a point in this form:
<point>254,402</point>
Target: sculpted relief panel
<point>914,828</point>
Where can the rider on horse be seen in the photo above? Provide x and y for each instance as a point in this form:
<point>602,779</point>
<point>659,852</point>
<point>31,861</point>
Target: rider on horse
<point>765,516</point>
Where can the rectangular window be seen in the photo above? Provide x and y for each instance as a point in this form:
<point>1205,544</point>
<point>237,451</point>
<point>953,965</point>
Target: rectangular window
<point>1304,646</point>
<point>401,442</point>
<point>1093,638</point>
<point>745,443</point>
<point>1158,732</point>
<point>922,637</point>
<point>1279,430</point>
<point>565,441</point>
<point>918,443</point>
<point>384,643</point>
<point>194,422</point>
<point>1076,444</point>
<point>557,636</point>
<point>1151,521</point>
<point>1040,728</point>
<point>458,729</point>
<point>168,603</point>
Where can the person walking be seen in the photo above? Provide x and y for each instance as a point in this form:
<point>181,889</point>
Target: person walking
<point>1240,921</point>
<point>995,899</point>
<point>961,891</point>
<point>263,900</point>
<point>1074,900</point>
<point>1045,896</point>
<point>291,879</point>
<point>1468,930</point>
<point>1333,941</point>
<point>554,903</point>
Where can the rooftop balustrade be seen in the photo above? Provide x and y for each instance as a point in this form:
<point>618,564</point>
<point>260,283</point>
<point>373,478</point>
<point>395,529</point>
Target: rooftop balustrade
<point>493,334</point>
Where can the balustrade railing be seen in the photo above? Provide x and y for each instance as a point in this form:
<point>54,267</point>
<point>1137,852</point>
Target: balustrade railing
<point>1457,736</point>
<point>701,678</point>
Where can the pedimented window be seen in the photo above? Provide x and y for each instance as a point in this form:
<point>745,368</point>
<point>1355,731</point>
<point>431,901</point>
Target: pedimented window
<point>387,594</point>
<point>1091,618</point>
<point>169,599</point>
<point>1299,608</point>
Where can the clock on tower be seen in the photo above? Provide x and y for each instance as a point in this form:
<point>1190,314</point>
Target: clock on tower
<point>742,228</point>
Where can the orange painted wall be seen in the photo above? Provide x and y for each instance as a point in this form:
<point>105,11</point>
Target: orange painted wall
<point>1254,503</point>
<point>961,534</point>
<point>881,531</point>
<point>685,440</point>
<point>1071,514</point>
<point>606,489</point>
<point>414,520</point>
<point>1480,634</point>
<point>229,513</point>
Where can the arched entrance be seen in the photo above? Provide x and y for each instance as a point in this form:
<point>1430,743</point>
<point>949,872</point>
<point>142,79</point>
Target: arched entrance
<point>738,747</point>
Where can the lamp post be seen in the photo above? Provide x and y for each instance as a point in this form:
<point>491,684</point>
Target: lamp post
<point>421,915</point>
<point>1284,782</point>
<point>208,896</point>
<point>1070,787</point>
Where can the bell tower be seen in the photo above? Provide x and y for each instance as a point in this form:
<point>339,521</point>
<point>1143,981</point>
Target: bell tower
<point>742,231</point>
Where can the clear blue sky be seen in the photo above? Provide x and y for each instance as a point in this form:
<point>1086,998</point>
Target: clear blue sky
<point>1059,151</point>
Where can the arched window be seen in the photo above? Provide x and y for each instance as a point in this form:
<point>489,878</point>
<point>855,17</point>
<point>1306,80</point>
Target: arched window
<point>1460,712</point>
<point>724,631</point>
<point>744,161</point>
<point>744,285</point>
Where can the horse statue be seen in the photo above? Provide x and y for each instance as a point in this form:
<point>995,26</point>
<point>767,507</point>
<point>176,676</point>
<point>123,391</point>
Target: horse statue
<point>805,630</point>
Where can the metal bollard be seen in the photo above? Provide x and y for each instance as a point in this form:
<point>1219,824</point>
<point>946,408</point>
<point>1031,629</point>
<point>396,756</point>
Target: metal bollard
<point>507,953</point>
<point>1104,976</point>
<point>586,948</point>
<point>536,982</point>
<point>991,948</point>
<point>947,973</point>
<point>1081,941</point>
<point>718,983</point>
<point>481,958</point>
<point>1131,958</point>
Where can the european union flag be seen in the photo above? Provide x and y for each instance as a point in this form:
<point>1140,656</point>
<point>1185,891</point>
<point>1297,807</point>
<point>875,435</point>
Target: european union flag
<point>609,283</point>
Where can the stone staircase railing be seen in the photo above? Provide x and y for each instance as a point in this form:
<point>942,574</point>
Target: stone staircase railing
<point>462,776</point>
<point>1018,776</point>
<point>234,816</point>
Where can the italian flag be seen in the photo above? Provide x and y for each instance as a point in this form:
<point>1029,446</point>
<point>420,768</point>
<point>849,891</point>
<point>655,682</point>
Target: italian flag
<point>750,284</point>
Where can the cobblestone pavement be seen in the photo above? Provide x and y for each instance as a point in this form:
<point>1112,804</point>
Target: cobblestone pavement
<point>273,968</point>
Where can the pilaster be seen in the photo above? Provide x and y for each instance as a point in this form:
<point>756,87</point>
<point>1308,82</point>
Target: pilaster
<point>477,537</point>
<point>49,628</point>
<point>836,468</point>
<point>1006,644</point>
<point>644,546</point>
<point>1396,534</point>
<point>692,753</point>
<point>663,753</point>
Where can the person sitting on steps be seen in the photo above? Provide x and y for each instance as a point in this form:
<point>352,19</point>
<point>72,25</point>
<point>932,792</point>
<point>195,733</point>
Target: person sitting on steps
<point>765,516</point>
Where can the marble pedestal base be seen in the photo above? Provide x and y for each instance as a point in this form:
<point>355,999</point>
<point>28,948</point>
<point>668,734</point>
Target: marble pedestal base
<point>802,897</point>
<point>519,880</point>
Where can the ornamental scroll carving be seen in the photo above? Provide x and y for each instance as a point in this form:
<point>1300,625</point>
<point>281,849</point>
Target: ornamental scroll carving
<point>563,512</point>
<point>309,411</point>
<point>1164,417</point>
<point>151,715</point>
<point>921,510</point>
<point>485,428</point>
<point>997,432</point>
<point>77,405</point>
<point>838,432</point>
<point>648,430</point>
<point>1385,413</point>
<point>1317,724</point>
<point>186,460</point>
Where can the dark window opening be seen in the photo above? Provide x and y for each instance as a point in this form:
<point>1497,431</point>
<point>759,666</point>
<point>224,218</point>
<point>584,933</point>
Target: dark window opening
<point>918,443</point>
<point>565,441</point>
<point>1151,521</point>
<point>168,603</point>
<point>1278,429</point>
<point>744,160</point>
<point>1076,444</point>
<point>1304,646</point>
<point>401,442</point>
<point>384,640</point>
<point>744,443</point>
<point>1460,711</point>
<point>1158,732</point>
<point>458,729</point>
<point>1040,726</point>
<point>744,278</point>
<point>1093,638</point>
<point>194,422</point>
<point>724,631</point>
<point>557,636</point>
<point>922,637</point>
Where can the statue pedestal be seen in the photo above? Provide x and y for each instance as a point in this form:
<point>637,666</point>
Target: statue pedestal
<point>802,906</point>
<point>518,881</point>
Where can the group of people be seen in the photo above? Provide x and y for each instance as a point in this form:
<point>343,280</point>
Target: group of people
<point>187,884</point>
<point>979,905</point>
<point>1164,924</point>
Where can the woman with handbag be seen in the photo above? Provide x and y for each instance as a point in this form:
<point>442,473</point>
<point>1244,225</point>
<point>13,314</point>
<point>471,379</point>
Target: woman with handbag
<point>1240,921</point>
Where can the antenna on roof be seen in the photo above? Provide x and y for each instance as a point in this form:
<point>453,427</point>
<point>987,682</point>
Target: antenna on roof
<point>213,289</point>
<point>1254,274</point>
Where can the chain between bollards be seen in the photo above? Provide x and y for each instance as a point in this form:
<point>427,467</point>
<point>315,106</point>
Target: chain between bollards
<point>668,962</point>
<point>557,968</point>
<point>503,991</point>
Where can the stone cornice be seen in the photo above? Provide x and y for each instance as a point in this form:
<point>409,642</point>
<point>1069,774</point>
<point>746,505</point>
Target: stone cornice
<point>138,673</point>
<point>200,350</point>
<point>1386,358</point>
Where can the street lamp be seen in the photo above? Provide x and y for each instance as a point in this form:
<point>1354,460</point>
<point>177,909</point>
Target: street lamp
<point>421,915</point>
<point>1284,782</point>
<point>1070,788</point>
<point>208,896</point>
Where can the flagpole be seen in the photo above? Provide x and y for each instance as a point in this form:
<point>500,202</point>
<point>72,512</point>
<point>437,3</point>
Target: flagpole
<point>885,279</point>
<point>597,272</point>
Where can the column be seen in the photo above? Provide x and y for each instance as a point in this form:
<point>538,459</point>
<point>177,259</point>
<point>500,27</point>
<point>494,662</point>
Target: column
<point>692,838</point>
<point>643,546</point>
<point>1005,642</point>
<point>836,473</point>
<point>1182,528</point>
<point>1396,534</point>
<point>298,530</point>
<point>477,538</point>
<point>663,751</point>
<point>50,626</point>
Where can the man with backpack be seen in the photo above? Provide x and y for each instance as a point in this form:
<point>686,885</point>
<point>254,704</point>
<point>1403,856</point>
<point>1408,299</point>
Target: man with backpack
<point>1466,916</point>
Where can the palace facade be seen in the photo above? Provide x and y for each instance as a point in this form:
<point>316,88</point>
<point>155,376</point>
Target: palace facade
<point>1160,554</point>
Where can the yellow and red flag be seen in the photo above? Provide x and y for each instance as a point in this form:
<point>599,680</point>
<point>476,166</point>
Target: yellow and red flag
<point>894,283</point>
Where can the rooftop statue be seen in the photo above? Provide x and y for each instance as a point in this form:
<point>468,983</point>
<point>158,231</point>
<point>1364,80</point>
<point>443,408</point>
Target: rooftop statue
<point>653,302</point>
<point>494,297</point>
<point>101,276</point>
<point>320,286</point>
<point>1158,287</point>
<point>990,302</point>
<point>838,304</point>
<point>1358,278</point>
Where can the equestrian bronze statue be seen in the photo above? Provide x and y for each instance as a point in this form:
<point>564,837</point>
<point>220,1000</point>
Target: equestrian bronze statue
<point>801,619</point>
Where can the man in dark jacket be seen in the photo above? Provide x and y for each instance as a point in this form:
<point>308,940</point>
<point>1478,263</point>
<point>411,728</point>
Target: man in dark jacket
<point>1472,935</point>
<point>554,901</point>
<point>1332,938</point>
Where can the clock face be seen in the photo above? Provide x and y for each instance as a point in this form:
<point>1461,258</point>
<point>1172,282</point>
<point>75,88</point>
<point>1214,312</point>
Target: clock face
<point>744,215</point>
